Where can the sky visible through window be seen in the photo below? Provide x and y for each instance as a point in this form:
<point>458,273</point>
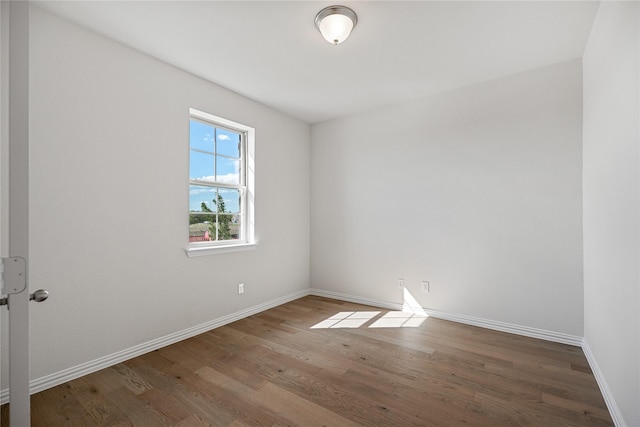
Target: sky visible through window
<point>215,157</point>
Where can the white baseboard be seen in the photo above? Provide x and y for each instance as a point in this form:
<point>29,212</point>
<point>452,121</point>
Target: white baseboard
<point>509,328</point>
<point>614,411</point>
<point>355,299</point>
<point>57,378</point>
<point>460,318</point>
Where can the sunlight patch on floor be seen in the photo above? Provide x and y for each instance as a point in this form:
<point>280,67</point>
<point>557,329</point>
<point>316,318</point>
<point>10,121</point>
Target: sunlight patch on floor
<point>347,319</point>
<point>411,316</point>
<point>357,319</point>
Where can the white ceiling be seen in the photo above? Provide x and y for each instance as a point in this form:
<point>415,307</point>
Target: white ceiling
<point>271,51</point>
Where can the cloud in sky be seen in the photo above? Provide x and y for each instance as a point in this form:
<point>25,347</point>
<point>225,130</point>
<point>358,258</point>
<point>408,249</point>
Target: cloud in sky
<point>224,137</point>
<point>230,178</point>
<point>194,191</point>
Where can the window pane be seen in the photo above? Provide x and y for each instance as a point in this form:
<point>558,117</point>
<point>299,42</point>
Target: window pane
<point>214,214</point>
<point>201,199</point>
<point>228,143</point>
<point>228,200</point>
<point>228,170</point>
<point>201,136</point>
<point>202,166</point>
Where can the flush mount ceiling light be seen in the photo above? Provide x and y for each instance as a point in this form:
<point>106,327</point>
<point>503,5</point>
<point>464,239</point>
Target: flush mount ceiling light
<point>335,23</point>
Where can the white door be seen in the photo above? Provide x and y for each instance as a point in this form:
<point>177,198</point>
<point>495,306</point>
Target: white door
<point>14,182</point>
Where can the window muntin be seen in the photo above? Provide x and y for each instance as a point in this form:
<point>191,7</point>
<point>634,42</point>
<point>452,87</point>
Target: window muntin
<point>218,191</point>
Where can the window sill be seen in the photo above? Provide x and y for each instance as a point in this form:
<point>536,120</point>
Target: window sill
<point>216,250</point>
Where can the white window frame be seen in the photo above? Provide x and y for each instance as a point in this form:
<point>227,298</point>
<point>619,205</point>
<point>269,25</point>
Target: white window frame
<point>247,230</point>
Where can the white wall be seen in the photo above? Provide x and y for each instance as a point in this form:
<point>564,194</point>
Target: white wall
<point>477,190</point>
<point>612,202</point>
<point>109,200</point>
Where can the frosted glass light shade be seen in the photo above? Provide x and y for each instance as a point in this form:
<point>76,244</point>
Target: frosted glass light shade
<point>335,23</point>
<point>336,28</point>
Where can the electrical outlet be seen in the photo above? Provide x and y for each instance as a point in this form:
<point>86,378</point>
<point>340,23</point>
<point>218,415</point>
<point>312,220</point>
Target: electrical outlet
<point>425,287</point>
<point>241,288</point>
<point>401,283</point>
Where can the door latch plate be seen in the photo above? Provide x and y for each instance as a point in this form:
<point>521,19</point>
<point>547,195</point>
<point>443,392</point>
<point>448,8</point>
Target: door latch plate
<point>14,275</point>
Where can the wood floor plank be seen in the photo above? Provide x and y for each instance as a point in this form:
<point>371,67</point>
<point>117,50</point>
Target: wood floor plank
<point>58,406</point>
<point>130,379</point>
<point>242,407</point>
<point>104,380</point>
<point>99,410</point>
<point>275,369</point>
<point>192,421</point>
<point>573,405</point>
<point>139,412</point>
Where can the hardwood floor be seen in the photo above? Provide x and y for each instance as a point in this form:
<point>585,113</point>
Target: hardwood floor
<point>274,369</point>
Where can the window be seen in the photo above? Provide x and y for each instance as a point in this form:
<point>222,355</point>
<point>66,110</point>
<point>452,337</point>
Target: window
<point>220,185</point>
